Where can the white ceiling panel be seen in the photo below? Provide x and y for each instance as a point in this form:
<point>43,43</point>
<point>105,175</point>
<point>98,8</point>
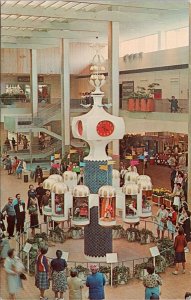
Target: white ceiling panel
<point>136,17</point>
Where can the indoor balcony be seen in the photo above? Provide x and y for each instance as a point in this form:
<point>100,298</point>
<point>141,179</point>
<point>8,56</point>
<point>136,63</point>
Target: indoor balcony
<point>158,120</point>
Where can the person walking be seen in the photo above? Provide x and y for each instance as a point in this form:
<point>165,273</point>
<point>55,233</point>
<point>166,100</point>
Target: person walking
<point>179,244</point>
<point>40,192</point>
<point>13,143</point>
<point>96,282</point>
<point>38,175</point>
<point>20,214</point>
<point>13,274</point>
<point>9,165</point>
<point>15,164</point>
<point>59,282</point>
<point>75,285</point>
<point>171,223</point>
<point>42,272</point>
<point>33,212</point>
<point>162,216</point>
<point>152,283</point>
<point>11,216</point>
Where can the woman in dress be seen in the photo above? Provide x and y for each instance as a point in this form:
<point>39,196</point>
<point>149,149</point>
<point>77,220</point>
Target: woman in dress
<point>75,286</point>
<point>19,169</point>
<point>179,245</point>
<point>162,216</point>
<point>42,272</point>
<point>33,212</point>
<point>13,274</point>
<point>31,193</point>
<point>151,283</point>
<point>59,282</point>
<point>171,223</point>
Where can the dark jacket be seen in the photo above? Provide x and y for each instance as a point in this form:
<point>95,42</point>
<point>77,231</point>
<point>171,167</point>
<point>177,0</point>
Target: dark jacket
<point>19,214</point>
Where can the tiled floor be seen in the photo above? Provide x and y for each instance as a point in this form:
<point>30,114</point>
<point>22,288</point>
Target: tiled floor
<point>174,287</point>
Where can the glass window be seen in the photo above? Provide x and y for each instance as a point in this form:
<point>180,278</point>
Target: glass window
<point>177,38</point>
<point>143,44</point>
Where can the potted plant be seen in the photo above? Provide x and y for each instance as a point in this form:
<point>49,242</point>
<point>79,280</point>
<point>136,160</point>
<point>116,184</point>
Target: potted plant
<point>146,236</point>
<point>121,275</point>
<point>76,232</point>
<point>132,234</point>
<point>150,99</point>
<point>82,272</point>
<point>140,270</point>
<point>117,231</point>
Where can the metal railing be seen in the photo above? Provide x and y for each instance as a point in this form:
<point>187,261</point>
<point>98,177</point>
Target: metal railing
<point>83,266</point>
<point>163,105</point>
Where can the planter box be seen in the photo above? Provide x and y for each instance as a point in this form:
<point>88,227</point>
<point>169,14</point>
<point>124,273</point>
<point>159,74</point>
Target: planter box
<point>157,199</point>
<point>131,105</point>
<point>167,202</point>
<point>147,193</point>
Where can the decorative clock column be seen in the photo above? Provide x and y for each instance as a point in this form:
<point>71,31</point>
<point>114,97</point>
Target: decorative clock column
<point>98,128</point>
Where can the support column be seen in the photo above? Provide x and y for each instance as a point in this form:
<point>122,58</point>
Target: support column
<point>65,96</point>
<point>189,116</point>
<point>113,73</point>
<point>34,82</point>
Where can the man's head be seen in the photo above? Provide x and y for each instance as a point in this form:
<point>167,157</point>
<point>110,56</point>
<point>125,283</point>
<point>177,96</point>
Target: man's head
<point>48,193</point>
<point>18,197</point>
<point>10,200</point>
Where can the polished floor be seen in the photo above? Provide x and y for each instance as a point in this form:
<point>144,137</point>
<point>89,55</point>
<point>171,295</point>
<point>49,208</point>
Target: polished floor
<point>174,287</point>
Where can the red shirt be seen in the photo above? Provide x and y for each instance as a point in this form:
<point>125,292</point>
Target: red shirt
<point>180,243</point>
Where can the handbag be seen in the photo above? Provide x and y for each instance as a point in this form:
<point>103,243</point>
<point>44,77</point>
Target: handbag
<point>23,276</point>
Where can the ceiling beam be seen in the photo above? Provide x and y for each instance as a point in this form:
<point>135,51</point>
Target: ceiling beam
<point>25,46</point>
<point>54,25</point>
<point>41,41</point>
<point>116,16</point>
<point>50,34</point>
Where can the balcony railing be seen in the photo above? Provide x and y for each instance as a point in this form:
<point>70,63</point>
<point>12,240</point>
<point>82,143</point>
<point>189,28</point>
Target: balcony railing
<point>162,105</point>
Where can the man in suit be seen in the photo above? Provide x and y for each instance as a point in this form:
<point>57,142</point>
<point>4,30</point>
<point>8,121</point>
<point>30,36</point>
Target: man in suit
<point>20,214</point>
<point>185,186</point>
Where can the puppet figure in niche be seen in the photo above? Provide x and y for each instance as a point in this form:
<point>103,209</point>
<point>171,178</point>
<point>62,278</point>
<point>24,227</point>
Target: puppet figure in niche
<point>107,209</point>
<point>59,204</point>
<point>131,205</point>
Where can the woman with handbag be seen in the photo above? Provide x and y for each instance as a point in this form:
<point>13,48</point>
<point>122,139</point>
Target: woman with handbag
<point>33,212</point>
<point>42,281</point>
<point>162,216</point>
<point>14,268</point>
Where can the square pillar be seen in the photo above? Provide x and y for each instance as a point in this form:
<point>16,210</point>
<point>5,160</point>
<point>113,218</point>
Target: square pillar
<point>34,82</point>
<point>189,115</point>
<point>65,95</point>
<point>113,73</point>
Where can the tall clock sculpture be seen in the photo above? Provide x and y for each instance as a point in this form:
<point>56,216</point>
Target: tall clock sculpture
<point>97,128</point>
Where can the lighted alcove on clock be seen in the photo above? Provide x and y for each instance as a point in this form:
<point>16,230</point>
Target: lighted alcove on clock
<point>105,128</point>
<point>80,127</point>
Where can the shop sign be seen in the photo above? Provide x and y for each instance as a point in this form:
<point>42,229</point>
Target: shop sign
<point>27,79</point>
